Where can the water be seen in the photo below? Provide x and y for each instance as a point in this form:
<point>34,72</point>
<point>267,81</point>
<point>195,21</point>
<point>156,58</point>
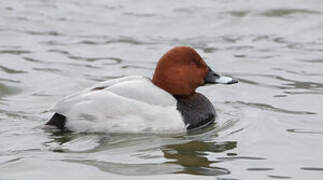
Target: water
<point>269,126</point>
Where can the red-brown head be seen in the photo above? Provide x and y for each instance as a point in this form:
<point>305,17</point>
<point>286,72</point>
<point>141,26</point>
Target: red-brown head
<point>181,70</point>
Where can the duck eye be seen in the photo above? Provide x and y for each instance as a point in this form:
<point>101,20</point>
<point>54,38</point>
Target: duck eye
<point>197,64</point>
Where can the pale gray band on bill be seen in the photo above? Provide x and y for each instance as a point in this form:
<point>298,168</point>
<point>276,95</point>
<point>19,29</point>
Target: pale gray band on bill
<point>225,80</point>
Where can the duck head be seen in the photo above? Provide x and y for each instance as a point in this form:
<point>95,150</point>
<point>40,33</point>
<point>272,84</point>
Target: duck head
<point>181,70</point>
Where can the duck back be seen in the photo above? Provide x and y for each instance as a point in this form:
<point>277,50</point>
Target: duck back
<point>131,104</point>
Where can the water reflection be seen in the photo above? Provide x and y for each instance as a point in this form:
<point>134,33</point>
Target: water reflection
<point>59,136</point>
<point>293,84</point>
<point>187,161</point>
<point>312,168</point>
<point>302,73</point>
<point>269,107</point>
<point>239,13</point>
<point>139,15</point>
<point>279,177</point>
<point>305,131</point>
<point>131,169</point>
<point>183,158</point>
<point>260,169</point>
<point>123,40</point>
<point>14,52</point>
<point>6,90</point>
<point>286,12</point>
<point>11,71</point>
<point>136,67</point>
<point>100,78</point>
<point>9,80</point>
<point>313,60</point>
<point>92,59</point>
<point>52,70</point>
<point>114,60</point>
<point>33,60</point>
<point>290,86</point>
<point>46,33</point>
<point>192,156</point>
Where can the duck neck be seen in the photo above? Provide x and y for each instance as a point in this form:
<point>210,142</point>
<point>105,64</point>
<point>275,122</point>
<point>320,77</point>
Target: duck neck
<point>183,96</point>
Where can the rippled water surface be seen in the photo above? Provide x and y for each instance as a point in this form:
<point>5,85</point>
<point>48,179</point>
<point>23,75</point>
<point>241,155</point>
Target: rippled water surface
<point>269,126</point>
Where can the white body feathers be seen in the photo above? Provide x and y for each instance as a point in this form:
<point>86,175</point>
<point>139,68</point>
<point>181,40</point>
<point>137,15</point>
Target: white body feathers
<point>132,104</point>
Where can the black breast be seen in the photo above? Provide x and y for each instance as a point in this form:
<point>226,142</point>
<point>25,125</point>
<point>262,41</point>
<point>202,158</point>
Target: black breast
<point>196,110</point>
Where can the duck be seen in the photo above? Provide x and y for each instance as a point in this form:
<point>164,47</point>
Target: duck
<point>166,103</point>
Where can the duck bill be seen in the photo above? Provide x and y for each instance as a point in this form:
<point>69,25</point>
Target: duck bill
<point>214,78</point>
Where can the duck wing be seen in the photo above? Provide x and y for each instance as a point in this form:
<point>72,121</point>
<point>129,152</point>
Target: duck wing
<point>129,104</point>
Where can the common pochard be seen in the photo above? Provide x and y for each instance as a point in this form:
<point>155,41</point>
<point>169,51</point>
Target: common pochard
<point>135,104</point>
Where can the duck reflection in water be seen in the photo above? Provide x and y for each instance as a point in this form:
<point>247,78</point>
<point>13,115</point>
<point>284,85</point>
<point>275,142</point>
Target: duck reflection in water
<point>188,158</point>
<point>192,156</point>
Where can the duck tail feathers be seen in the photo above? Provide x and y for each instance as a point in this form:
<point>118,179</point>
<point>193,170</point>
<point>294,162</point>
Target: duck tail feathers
<point>57,120</point>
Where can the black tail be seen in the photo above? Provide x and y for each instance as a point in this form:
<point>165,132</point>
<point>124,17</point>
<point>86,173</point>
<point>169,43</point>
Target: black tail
<point>58,120</point>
